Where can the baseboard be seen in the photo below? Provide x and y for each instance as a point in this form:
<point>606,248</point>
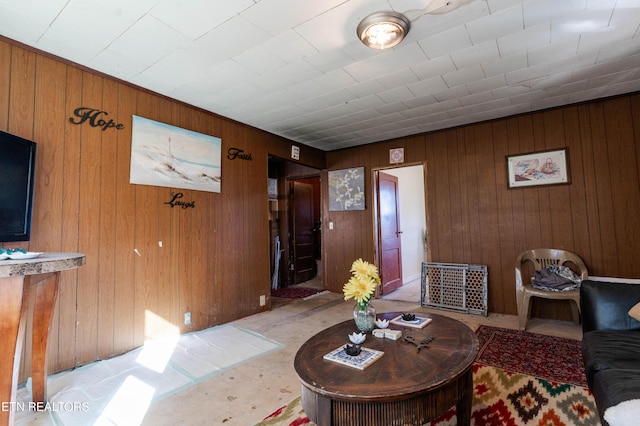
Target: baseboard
<point>407,280</point>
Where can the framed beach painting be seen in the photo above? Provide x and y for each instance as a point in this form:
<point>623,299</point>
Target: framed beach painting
<point>346,189</point>
<point>538,168</point>
<point>165,155</point>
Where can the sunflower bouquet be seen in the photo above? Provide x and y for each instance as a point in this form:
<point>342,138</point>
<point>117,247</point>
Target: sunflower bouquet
<point>363,283</point>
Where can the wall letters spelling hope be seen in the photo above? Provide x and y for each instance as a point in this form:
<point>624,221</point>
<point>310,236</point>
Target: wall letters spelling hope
<point>92,116</point>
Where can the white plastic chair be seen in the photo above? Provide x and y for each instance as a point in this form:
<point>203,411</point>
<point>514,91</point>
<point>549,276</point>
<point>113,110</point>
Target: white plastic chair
<point>541,259</point>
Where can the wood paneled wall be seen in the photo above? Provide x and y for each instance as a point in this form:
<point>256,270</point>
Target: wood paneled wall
<point>474,218</point>
<point>214,259</point>
<point>211,260</point>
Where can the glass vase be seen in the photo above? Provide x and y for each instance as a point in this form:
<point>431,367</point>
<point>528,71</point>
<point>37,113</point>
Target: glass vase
<point>365,316</point>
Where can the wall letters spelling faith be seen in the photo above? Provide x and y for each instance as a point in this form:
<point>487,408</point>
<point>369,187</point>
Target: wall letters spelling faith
<point>94,120</point>
<point>233,153</point>
<point>174,201</point>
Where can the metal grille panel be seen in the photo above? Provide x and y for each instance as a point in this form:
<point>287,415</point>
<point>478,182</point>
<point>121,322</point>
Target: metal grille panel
<point>454,286</point>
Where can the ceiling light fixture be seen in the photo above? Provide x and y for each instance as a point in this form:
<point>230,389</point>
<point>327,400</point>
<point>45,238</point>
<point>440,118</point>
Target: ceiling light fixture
<point>382,30</point>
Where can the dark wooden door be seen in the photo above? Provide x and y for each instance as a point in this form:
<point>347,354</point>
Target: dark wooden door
<point>302,232</point>
<point>389,233</point>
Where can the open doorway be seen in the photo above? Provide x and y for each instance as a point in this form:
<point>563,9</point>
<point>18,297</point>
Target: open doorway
<point>400,221</point>
<point>304,229</point>
<point>295,227</point>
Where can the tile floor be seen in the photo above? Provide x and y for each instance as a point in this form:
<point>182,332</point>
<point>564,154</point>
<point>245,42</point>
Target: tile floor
<point>244,394</point>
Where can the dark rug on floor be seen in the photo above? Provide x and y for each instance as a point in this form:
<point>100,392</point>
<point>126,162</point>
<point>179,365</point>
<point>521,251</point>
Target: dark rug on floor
<point>539,355</point>
<point>295,292</point>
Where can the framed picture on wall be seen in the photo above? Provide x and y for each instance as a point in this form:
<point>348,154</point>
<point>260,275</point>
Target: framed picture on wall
<point>396,155</point>
<point>538,168</point>
<point>165,155</point>
<point>346,189</point>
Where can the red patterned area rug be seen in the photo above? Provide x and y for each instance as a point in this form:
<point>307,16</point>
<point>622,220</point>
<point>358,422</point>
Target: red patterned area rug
<point>538,355</point>
<point>295,292</point>
<point>519,378</point>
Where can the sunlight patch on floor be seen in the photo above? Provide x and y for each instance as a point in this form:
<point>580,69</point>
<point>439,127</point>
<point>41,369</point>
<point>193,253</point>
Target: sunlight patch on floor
<point>120,390</point>
<point>129,405</point>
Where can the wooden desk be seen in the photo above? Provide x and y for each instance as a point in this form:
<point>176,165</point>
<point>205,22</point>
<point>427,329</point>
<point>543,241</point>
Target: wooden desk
<point>402,387</point>
<point>16,278</point>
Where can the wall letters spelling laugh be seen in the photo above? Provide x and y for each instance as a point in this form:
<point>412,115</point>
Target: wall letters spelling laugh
<point>174,201</point>
<point>92,116</point>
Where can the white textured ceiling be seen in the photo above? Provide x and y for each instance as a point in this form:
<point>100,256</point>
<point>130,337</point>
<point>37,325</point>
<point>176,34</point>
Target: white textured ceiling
<point>295,68</point>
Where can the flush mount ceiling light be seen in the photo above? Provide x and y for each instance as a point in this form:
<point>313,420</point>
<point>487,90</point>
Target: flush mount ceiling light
<point>382,30</point>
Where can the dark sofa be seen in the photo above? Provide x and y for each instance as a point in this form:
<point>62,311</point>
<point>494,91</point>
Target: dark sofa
<point>611,347</point>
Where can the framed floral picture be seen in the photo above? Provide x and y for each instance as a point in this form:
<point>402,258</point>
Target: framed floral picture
<point>396,155</point>
<point>538,168</point>
<point>346,189</point>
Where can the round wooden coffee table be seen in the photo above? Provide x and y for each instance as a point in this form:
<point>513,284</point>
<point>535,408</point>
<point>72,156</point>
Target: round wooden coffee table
<point>403,387</point>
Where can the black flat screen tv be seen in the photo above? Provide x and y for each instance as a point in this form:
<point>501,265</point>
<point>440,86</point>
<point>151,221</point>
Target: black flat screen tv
<point>17,173</point>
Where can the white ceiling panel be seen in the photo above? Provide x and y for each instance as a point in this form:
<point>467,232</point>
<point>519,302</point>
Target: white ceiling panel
<point>200,16</point>
<point>296,68</point>
<point>446,43</point>
<point>151,40</point>
<point>496,25</point>
<point>27,20</point>
<point>289,46</point>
